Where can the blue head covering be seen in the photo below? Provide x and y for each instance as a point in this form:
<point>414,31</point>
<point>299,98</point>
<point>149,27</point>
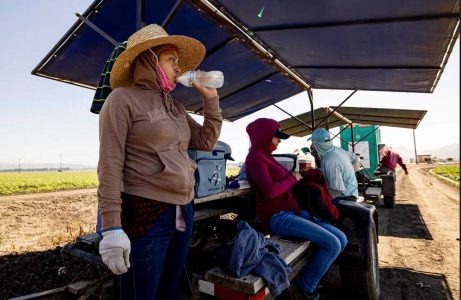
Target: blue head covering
<point>321,141</point>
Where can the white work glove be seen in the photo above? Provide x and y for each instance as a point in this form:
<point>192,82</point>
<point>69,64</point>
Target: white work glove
<point>115,250</point>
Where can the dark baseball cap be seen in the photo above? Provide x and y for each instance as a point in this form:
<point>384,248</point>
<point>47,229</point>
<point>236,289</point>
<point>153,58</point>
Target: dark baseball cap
<point>280,134</point>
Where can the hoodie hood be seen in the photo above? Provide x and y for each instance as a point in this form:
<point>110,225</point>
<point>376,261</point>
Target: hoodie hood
<point>145,77</point>
<point>321,141</point>
<point>144,72</point>
<point>323,148</point>
<point>387,151</point>
<point>261,131</point>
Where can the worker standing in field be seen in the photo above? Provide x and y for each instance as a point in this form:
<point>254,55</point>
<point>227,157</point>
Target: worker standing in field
<point>146,178</point>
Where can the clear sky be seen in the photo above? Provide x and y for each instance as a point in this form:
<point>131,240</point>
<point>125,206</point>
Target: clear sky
<point>41,118</point>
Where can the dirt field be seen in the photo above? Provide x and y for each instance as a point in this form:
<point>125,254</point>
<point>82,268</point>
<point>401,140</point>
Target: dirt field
<point>418,240</point>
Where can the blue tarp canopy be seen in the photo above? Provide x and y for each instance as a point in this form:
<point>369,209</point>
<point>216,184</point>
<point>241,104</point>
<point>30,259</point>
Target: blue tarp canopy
<point>271,50</point>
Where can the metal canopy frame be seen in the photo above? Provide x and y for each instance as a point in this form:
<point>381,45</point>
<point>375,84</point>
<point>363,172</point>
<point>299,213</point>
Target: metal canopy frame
<point>349,123</point>
<point>226,20</point>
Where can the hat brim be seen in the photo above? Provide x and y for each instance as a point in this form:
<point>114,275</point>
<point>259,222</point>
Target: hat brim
<point>281,135</point>
<point>191,52</point>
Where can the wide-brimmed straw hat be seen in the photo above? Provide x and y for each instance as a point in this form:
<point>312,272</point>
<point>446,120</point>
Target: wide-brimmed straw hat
<point>191,52</point>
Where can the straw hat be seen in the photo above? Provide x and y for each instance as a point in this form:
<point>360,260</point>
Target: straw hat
<point>191,52</point>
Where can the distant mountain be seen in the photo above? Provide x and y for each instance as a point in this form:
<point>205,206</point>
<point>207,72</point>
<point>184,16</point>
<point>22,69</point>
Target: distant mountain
<point>443,152</point>
<point>6,166</point>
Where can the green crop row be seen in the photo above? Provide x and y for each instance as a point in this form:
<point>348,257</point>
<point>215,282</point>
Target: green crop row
<point>38,182</point>
<point>451,172</point>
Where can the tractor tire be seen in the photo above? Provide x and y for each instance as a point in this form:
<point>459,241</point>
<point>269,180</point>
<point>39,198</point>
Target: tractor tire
<point>389,201</point>
<point>359,282</point>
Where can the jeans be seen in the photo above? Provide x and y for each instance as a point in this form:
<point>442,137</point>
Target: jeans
<point>330,241</point>
<point>157,259</point>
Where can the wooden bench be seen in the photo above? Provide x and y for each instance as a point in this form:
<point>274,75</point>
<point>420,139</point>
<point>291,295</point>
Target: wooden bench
<point>221,285</point>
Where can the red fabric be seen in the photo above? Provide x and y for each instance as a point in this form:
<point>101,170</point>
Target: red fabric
<point>270,181</point>
<point>315,178</point>
<point>272,148</point>
<point>140,214</point>
<point>390,159</point>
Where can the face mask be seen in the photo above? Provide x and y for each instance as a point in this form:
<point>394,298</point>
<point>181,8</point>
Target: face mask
<point>272,148</point>
<point>165,83</point>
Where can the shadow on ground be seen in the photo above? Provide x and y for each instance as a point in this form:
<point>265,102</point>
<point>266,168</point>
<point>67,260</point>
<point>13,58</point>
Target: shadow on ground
<point>405,221</point>
<point>398,283</point>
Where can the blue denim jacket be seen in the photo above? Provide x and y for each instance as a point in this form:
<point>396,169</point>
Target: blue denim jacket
<point>250,252</point>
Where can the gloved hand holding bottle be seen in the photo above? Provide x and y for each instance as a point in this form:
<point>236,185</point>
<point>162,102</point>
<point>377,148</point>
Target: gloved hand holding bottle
<point>115,248</point>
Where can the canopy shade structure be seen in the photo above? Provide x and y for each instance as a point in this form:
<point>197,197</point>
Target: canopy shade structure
<point>402,118</point>
<point>271,51</point>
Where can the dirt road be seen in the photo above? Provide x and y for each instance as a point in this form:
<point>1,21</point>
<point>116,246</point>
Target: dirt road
<point>419,239</point>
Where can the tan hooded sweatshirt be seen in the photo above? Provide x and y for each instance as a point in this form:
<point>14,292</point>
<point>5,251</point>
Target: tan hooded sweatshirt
<point>144,136</point>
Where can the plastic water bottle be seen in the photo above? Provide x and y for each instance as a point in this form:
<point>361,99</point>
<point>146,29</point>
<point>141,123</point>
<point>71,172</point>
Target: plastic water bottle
<point>211,79</point>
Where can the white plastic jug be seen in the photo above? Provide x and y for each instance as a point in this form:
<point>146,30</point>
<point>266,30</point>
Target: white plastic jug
<point>305,160</point>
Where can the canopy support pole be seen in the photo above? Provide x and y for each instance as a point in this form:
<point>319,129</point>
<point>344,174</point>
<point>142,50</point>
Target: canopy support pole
<point>220,15</point>
<point>294,117</point>
<point>140,14</point>
<point>334,110</point>
<point>97,29</point>
<point>414,142</point>
<point>352,138</point>
<point>337,135</point>
<point>311,101</point>
<point>368,134</point>
<point>171,14</point>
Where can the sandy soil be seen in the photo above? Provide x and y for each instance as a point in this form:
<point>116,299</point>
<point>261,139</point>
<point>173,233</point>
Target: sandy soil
<point>35,222</point>
<point>418,239</point>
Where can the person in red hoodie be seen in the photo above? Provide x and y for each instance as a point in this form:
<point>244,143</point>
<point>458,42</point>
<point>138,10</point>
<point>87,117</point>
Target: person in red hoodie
<point>278,210</point>
<point>389,160</point>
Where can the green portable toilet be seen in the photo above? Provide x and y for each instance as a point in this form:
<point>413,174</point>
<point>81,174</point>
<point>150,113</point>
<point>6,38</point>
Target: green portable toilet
<point>366,148</point>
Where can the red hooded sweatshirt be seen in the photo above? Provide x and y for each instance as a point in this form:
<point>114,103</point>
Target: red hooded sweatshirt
<point>270,181</point>
<point>390,159</point>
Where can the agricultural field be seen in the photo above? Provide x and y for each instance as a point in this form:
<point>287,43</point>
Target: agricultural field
<point>451,172</point>
<point>39,182</point>
<point>232,171</point>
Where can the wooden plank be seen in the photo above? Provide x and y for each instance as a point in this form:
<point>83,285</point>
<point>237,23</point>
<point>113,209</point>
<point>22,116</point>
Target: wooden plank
<point>79,287</point>
<point>251,284</point>
<point>290,249</point>
<point>228,193</point>
<point>59,293</point>
<point>205,213</point>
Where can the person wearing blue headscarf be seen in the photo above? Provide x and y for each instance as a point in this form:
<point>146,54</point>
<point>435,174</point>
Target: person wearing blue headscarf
<point>337,164</point>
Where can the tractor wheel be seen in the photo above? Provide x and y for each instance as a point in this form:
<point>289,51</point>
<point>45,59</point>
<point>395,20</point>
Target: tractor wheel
<point>360,282</point>
<point>389,201</point>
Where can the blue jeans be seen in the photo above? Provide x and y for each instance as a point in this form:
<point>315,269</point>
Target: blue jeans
<point>157,259</point>
<point>330,241</point>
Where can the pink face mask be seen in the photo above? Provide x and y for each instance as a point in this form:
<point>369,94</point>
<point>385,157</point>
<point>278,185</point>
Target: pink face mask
<point>165,83</point>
